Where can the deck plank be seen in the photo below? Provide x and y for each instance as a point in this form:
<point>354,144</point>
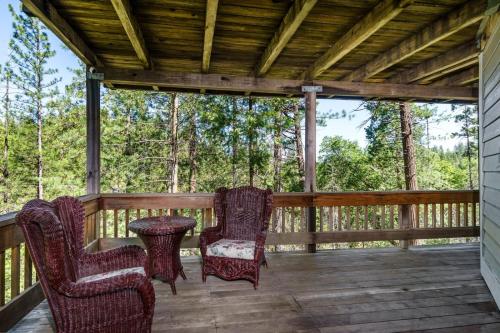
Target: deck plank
<point>434,290</point>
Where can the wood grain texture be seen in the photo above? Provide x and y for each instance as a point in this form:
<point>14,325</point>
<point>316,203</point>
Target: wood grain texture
<point>124,11</point>
<point>383,12</point>
<point>266,86</point>
<point>49,15</point>
<point>448,59</point>
<point>291,22</point>
<point>210,19</point>
<point>468,14</point>
<point>371,290</point>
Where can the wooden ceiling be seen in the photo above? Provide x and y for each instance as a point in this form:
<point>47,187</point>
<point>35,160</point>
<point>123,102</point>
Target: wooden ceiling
<point>369,48</point>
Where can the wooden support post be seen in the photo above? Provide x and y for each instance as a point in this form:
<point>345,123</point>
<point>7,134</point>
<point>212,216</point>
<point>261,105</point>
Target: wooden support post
<point>310,160</point>
<point>93,133</point>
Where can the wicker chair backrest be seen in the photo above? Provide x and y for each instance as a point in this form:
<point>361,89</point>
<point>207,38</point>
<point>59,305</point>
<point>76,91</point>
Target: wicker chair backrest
<point>243,211</point>
<point>44,237</point>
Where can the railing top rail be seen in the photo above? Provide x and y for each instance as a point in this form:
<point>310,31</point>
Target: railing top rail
<point>10,218</point>
<point>291,199</point>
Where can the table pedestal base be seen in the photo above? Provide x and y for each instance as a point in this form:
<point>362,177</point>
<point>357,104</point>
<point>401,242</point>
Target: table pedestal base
<point>164,257</point>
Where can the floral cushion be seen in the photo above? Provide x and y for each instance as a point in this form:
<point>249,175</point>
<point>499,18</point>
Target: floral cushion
<point>232,248</point>
<point>109,274</point>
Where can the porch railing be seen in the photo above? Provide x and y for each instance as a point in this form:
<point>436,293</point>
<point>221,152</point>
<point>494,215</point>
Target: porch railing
<point>340,217</point>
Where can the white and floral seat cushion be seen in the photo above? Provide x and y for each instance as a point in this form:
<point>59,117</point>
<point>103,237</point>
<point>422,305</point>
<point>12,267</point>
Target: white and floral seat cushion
<point>232,248</point>
<point>105,275</point>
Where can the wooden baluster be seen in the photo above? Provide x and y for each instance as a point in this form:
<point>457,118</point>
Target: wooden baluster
<point>434,215</point>
<point>2,278</point>
<point>28,268</point>
<point>115,222</point>
<point>321,219</point>
<point>459,222</point>
<point>150,213</point>
<point>303,219</point>
<point>339,216</point>
<point>15,271</point>
<point>374,217</point>
<point>191,215</point>
<point>127,220</point>
<point>356,217</point>
<point>274,219</point>
<point>474,215</point>
<point>209,219</point>
<point>441,215</point>
<point>450,215</point>
<point>292,220</point>
<point>400,217</point>
<point>366,218</point>
<point>104,223</point>
<point>417,216</point>
<point>466,214</point>
<point>391,216</point>
<point>348,217</point>
<point>283,219</point>
<point>203,213</point>
<point>330,218</point>
<point>160,212</point>
<point>426,215</point>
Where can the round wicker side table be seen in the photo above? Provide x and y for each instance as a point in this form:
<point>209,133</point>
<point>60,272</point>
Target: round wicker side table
<point>162,236</point>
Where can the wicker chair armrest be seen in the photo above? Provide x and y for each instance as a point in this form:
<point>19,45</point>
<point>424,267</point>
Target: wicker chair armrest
<point>114,259</point>
<point>209,236</point>
<point>260,242</point>
<point>116,284</point>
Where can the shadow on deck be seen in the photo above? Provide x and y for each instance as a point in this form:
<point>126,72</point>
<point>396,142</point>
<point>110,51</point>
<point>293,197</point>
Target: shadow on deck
<point>374,290</point>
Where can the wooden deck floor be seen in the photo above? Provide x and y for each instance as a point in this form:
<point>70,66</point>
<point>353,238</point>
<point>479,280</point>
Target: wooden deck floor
<point>375,290</point>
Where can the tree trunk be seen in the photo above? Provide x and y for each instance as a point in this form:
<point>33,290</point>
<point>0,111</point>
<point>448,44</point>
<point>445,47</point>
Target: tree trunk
<point>192,151</point>
<point>299,148</point>
<point>409,159</point>
<point>277,152</point>
<point>174,142</point>
<point>251,143</point>
<point>5,168</point>
<point>468,152</point>
<point>234,139</point>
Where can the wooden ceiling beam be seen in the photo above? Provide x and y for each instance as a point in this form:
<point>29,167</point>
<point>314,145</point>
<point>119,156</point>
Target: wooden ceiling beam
<point>289,25</point>
<point>469,13</point>
<point>435,65</point>
<point>49,16</point>
<point>379,16</point>
<point>449,70</point>
<point>242,84</point>
<point>460,79</point>
<point>210,18</point>
<point>124,11</point>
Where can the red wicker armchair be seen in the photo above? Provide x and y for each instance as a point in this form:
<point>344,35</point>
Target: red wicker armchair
<point>101,292</point>
<point>234,249</point>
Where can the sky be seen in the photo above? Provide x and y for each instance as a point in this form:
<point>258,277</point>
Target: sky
<point>348,127</point>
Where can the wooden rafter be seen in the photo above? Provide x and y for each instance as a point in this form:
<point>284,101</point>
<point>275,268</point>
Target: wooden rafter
<point>447,71</point>
<point>124,11</point>
<point>470,13</point>
<point>242,84</point>
<point>211,15</point>
<point>383,12</point>
<point>48,14</point>
<point>289,25</point>
<point>465,77</point>
<point>438,64</point>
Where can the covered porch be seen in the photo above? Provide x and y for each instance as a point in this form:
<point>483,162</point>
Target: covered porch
<point>305,49</point>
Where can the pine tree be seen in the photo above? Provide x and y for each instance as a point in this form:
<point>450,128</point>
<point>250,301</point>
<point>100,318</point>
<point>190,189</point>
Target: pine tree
<point>30,52</point>
<point>6,78</point>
